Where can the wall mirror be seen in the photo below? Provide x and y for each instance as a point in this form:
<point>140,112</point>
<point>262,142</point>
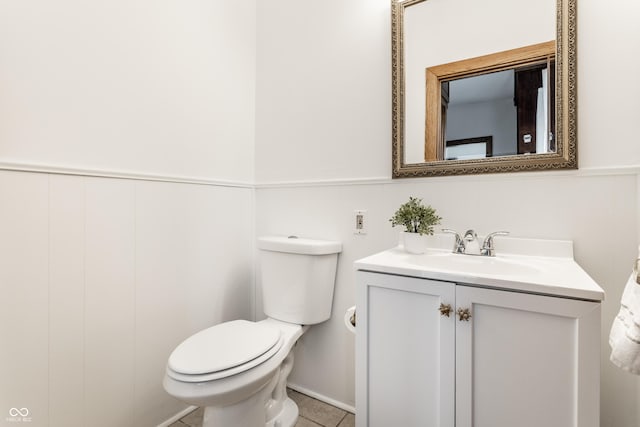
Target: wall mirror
<point>483,87</point>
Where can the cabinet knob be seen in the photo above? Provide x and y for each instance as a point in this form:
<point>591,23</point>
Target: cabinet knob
<point>464,314</point>
<point>445,309</point>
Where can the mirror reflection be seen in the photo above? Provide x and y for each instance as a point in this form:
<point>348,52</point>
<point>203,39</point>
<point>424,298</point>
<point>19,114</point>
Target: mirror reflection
<point>502,113</point>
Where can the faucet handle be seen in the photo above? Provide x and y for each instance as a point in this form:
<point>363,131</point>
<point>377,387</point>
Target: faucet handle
<point>459,245</point>
<point>487,246</point>
<point>450,231</point>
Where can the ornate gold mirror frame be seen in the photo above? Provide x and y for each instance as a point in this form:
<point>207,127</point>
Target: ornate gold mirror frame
<point>565,156</point>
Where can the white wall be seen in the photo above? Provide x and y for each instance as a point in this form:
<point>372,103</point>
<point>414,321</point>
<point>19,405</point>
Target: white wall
<point>101,278</point>
<point>606,36</point>
<point>323,148</point>
<point>322,92</point>
<point>156,87</point>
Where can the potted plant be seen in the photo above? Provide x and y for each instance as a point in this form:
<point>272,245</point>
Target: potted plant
<point>418,220</point>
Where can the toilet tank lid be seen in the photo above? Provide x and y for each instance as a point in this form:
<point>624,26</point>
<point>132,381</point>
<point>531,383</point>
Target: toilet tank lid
<point>299,245</point>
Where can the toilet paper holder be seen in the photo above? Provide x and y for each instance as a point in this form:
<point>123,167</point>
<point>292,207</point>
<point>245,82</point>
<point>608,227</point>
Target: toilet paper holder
<point>350,319</point>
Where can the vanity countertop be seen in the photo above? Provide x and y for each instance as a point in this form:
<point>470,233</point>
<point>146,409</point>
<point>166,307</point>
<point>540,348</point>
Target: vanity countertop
<point>535,266</point>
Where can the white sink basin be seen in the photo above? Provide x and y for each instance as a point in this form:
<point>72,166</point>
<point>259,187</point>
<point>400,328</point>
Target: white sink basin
<point>523,265</point>
<point>474,265</point>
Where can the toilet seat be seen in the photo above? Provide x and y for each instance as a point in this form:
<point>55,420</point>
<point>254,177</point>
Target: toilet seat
<point>224,350</point>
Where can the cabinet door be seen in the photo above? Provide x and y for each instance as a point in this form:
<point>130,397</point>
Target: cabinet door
<point>405,357</point>
<point>526,360</point>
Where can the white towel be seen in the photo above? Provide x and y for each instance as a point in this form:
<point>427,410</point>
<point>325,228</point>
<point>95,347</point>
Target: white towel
<point>624,338</point>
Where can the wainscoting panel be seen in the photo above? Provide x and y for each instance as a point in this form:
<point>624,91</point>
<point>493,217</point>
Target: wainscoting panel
<point>100,279</point>
<point>109,301</point>
<point>66,301</point>
<point>24,294</point>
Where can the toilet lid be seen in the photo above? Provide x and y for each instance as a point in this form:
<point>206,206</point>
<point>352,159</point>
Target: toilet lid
<point>223,346</point>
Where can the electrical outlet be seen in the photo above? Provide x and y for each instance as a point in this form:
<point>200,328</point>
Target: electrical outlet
<point>360,225</point>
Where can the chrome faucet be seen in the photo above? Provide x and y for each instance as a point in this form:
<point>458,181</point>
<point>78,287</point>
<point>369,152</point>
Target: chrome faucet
<point>487,245</point>
<point>459,246</point>
<point>470,245</point>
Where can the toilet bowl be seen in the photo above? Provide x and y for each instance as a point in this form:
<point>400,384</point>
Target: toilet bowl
<point>238,370</point>
<point>229,388</point>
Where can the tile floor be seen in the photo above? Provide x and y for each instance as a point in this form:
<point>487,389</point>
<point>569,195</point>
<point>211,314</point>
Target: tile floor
<point>313,413</point>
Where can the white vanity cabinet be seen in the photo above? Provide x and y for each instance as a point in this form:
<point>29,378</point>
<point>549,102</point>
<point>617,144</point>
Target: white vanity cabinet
<point>405,352</point>
<point>520,360</point>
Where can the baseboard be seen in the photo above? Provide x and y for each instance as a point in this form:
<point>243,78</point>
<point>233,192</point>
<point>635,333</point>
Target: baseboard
<point>177,416</point>
<point>322,398</point>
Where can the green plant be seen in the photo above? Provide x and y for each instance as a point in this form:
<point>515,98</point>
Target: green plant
<point>416,217</point>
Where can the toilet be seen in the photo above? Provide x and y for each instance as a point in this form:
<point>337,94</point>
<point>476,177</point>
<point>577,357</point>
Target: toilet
<point>238,370</point>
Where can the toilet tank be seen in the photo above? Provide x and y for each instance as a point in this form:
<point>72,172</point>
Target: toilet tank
<point>297,277</point>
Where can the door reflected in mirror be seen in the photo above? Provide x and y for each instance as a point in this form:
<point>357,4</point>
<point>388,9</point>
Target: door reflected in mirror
<point>501,113</point>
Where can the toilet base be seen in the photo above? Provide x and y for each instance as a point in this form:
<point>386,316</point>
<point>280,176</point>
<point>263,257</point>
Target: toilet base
<point>248,412</point>
<point>288,416</point>
<point>247,416</point>
<point>269,407</point>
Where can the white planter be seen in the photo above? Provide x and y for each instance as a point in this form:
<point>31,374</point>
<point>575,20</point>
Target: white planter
<point>414,243</point>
